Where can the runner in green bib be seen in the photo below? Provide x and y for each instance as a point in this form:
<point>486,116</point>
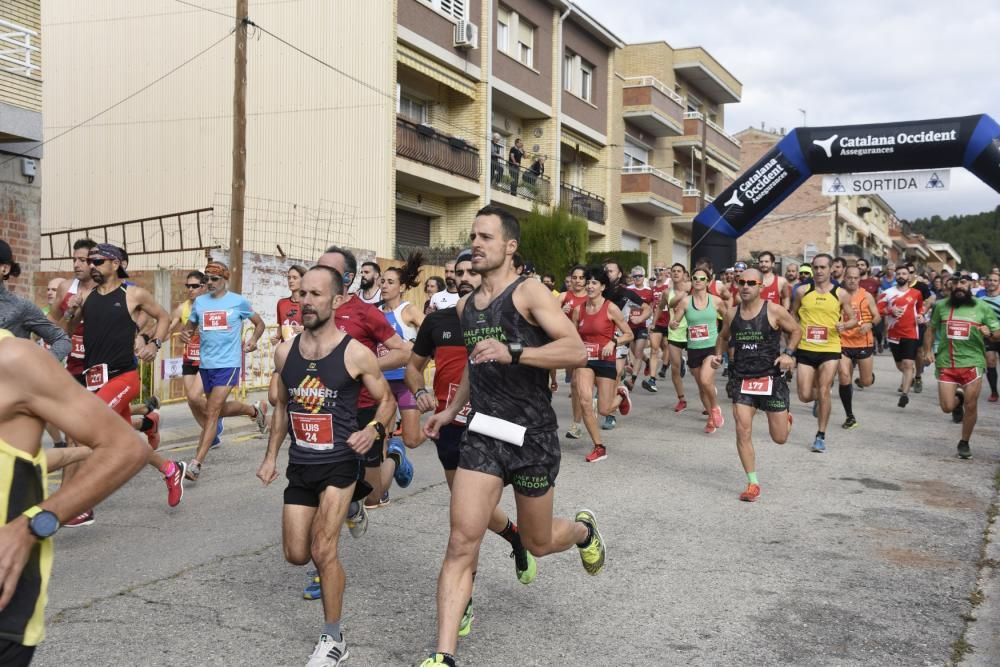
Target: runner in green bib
<point>964,324</point>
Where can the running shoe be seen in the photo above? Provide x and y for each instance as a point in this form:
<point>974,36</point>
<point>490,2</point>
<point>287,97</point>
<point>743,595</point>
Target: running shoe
<point>819,445</point>
<point>219,428</point>
<point>903,400</point>
<point>649,384</point>
<point>681,406</point>
<point>725,372</point>
<point>850,423</point>
<point>958,414</point>
<point>314,590</point>
<point>609,423</point>
<point>574,432</point>
<point>357,523</point>
<point>153,434</point>
<point>524,565</point>
<point>382,502</point>
<point>717,417</point>
<point>85,519</point>
<point>857,383</point>
<point>465,627</point>
<point>152,403</point>
<point>964,452</point>
<point>261,416</point>
<point>404,469</point>
<point>993,398</point>
<point>710,426</point>
<point>683,368</point>
<point>594,552</point>
<point>329,652</point>
<point>175,483</point>
<point>625,406</point>
<point>599,454</point>
<point>628,381</point>
<point>192,470</point>
<point>751,494</point>
<point>663,372</point>
<point>918,385</point>
<point>438,660</point>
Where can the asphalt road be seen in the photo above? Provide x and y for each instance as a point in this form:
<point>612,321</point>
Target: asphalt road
<point>864,555</point>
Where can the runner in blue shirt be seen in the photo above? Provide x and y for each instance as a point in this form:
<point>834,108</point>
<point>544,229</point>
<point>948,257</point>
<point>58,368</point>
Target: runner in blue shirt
<point>218,316</point>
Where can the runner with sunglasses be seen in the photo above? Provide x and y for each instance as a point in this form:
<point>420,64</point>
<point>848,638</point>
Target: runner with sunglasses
<point>680,286</point>
<point>823,312</point>
<point>702,311</point>
<point>754,329</point>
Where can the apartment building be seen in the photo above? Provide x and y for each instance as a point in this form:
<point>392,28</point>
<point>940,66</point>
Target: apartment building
<point>809,222</point>
<point>20,133</point>
<point>408,138</point>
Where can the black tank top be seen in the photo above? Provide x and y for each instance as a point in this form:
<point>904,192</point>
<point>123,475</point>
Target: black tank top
<point>517,393</point>
<point>322,406</point>
<point>757,345</point>
<point>109,337</point>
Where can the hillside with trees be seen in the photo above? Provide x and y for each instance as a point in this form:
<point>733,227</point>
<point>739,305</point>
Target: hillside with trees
<point>976,236</point>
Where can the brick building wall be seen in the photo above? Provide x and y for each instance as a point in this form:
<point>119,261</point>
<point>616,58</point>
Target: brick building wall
<point>20,220</point>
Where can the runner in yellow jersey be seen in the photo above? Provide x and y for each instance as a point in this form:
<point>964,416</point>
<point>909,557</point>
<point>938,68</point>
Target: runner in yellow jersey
<point>823,312</point>
<point>34,390</point>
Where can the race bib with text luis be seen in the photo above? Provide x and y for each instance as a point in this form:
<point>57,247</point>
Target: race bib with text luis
<point>313,431</point>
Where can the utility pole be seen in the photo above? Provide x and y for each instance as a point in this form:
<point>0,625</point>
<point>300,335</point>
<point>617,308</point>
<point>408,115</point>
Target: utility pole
<point>704,162</point>
<point>239,149</point>
<point>836,225</point>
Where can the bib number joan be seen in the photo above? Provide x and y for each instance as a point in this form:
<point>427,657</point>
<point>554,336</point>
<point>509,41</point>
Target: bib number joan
<point>313,431</point>
<point>817,334</point>
<point>216,320</point>
<point>959,329</point>
<point>96,376</point>
<point>698,332</point>
<point>757,386</point>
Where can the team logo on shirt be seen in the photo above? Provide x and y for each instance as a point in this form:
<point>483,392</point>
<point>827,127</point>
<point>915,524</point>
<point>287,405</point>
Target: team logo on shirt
<point>312,393</point>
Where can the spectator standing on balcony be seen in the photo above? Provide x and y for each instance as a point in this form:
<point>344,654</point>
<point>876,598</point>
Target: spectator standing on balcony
<point>514,163</point>
<point>536,170</point>
<point>496,162</point>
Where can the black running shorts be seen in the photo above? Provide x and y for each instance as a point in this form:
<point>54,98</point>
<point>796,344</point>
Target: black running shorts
<point>603,369</point>
<point>905,349</point>
<point>815,359</point>
<point>189,369</point>
<point>531,468</point>
<point>776,402</point>
<point>857,353</point>
<point>307,482</point>
<point>374,457</point>
<point>448,445</point>
<point>697,357</point>
<point>640,333</point>
<point>13,654</point>
<point>662,330</point>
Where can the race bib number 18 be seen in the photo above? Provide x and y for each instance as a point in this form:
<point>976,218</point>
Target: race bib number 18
<point>313,431</point>
<point>77,352</point>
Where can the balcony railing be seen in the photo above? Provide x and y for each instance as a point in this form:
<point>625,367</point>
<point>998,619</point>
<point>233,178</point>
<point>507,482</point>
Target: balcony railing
<point>423,143</point>
<point>652,106</point>
<point>520,182</point>
<point>652,82</point>
<point>718,138</point>
<point>16,49</point>
<point>582,203</point>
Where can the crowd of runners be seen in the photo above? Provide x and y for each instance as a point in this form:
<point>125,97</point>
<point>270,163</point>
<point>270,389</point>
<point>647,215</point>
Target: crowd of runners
<point>350,385</point>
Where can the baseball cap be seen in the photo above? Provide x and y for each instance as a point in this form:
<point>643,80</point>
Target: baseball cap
<point>6,254</point>
<point>973,276</point>
<point>740,266</point>
<point>806,270</point>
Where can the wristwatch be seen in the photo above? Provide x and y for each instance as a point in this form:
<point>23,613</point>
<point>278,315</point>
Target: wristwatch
<point>515,348</point>
<point>789,352</point>
<point>379,428</point>
<point>41,523</point>
<point>157,342</point>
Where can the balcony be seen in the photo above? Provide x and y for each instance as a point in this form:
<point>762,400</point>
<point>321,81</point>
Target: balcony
<point>518,182</point>
<point>651,192</point>
<point>698,67</point>
<point>582,203</point>
<point>426,145</point>
<point>652,107</point>
<point>721,146</point>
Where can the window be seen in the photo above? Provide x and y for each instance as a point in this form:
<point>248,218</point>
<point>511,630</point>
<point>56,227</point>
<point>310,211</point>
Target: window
<point>410,108</point>
<point>525,42</point>
<point>586,79</point>
<point>503,29</point>
<point>569,62</point>
<point>635,156</point>
<point>452,8</point>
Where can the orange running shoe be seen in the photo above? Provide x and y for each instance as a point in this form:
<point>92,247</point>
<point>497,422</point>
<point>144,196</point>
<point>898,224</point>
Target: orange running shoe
<point>599,454</point>
<point>751,494</point>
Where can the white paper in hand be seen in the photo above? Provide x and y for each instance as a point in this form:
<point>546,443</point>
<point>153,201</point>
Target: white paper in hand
<point>494,427</point>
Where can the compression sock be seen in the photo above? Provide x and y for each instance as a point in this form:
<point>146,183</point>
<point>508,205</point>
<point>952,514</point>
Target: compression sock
<point>395,457</point>
<point>991,377</point>
<point>752,477</point>
<point>511,535</point>
<point>333,630</point>
<point>147,424</point>
<point>847,399</point>
<point>821,434</point>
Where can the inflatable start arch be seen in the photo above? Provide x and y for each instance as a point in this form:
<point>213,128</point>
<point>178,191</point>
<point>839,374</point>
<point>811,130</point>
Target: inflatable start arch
<point>972,142</point>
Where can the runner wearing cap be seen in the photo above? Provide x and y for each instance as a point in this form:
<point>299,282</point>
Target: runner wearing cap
<point>23,318</point>
<point>217,316</point>
<point>964,323</point>
<point>661,326</point>
<point>638,323</point>
<point>738,269</point>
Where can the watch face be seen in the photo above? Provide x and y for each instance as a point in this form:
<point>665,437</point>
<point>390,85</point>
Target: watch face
<point>44,524</point>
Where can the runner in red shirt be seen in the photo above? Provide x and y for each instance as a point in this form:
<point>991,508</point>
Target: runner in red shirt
<point>775,288</point>
<point>289,312</point>
<point>661,322</point>
<point>902,305</point>
<point>572,301</point>
<point>638,322</point>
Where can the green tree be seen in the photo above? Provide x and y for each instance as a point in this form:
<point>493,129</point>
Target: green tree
<point>553,242</point>
<point>976,237</point>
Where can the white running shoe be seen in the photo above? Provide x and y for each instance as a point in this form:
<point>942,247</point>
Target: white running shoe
<point>261,417</point>
<point>358,524</point>
<point>328,652</point>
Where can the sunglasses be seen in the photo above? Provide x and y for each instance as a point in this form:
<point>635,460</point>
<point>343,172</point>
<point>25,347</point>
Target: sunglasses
<point>747,283</point>
<point>215,279</point>
<point>659,270</point>
<point>194,286</point>
<point>96,262</point>
<point>803,273</point>
<point>699,279</point>
<point>638,275</point>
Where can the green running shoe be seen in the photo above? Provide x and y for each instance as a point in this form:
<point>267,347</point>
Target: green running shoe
<point>593,554</point>
<point>524,565</point>
<point>465,627</point>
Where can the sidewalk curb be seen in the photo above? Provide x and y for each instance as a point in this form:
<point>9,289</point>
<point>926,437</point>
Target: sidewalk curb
<point>979,645</point>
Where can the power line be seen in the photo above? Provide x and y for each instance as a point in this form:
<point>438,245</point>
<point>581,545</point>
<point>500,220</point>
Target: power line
<point>115,19</point>
<point>125,99</point>
<point>207,9</point>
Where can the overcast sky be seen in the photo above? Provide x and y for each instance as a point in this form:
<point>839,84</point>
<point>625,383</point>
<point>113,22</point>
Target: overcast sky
<point>845,62</point>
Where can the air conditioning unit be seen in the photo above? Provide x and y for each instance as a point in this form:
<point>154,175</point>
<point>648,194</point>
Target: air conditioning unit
<point>466,35</point>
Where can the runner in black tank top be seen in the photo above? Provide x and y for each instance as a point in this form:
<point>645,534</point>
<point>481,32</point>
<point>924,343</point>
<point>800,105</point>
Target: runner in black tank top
<point>318,376</point>
<point>110,333</point>
<point>754,328</point>
<point>514,333</point>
